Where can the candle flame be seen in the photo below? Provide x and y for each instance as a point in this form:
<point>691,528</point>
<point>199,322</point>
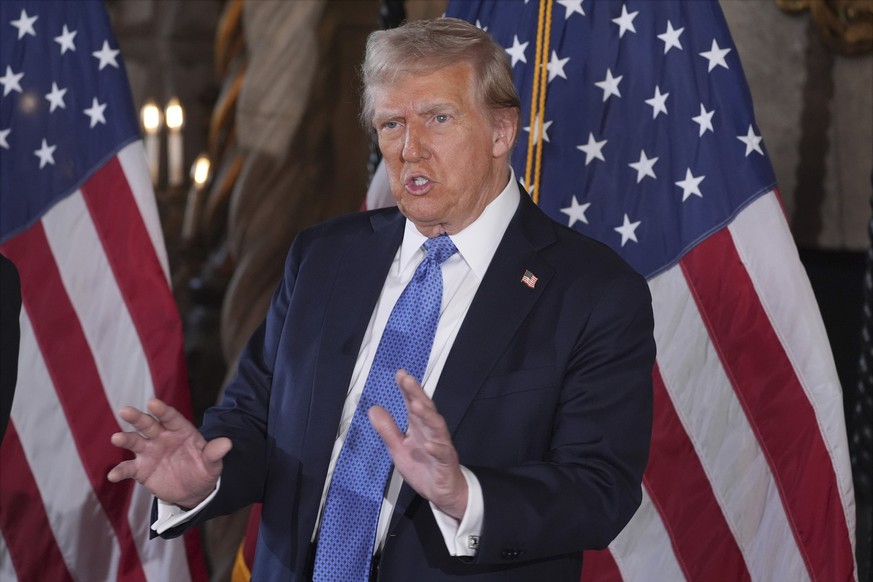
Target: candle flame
<point>174,114</point>
<point>151,117</point>
<point>200,171</point>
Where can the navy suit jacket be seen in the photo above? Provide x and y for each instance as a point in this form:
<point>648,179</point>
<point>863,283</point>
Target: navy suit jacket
<point>546,391</point>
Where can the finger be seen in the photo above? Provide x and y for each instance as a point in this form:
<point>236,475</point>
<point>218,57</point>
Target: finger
<point>409,386</point>
<point>130,441</point>
<point>384,424</point>
<point>157,407</point>
<point>122,471</point>
<point>130,414</point>
<point>144,423</point>
<point>421,409</point>
<point>412,392</point>
<point>425,411</point>
<point>169,417</point>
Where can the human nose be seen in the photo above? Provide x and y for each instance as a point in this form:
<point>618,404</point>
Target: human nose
<point>413,145</point>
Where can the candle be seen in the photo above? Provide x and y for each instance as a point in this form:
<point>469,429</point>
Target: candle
<point>199,175</point>
<point>175,150</point>
<point>151,122</point>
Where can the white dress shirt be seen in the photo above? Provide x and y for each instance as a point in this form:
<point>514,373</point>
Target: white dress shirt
<point>462,274</point>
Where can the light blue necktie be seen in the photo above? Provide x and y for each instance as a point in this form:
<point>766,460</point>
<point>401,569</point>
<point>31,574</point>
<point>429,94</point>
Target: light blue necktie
<point>351,511</point>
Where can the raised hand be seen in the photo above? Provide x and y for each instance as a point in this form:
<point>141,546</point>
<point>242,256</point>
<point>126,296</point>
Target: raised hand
<point>425,455</point>
<point>173,460</point>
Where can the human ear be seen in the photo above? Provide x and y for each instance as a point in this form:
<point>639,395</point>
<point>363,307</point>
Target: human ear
<point>505,130</point>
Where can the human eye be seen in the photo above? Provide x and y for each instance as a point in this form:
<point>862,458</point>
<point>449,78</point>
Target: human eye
<point>441,118</point>
<point>388,125</point>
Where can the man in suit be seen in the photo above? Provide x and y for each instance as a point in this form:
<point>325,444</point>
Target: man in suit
<point>528,430</point>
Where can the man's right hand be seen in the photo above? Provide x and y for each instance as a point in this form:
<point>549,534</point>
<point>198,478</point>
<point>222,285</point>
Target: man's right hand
<point>172,459</point>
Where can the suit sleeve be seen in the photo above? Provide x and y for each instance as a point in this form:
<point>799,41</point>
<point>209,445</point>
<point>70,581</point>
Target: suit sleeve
<point>588,485</point>
<point>242,414</point>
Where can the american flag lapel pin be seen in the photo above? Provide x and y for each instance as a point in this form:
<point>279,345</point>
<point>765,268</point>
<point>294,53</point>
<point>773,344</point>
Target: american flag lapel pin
<point>529,279</point>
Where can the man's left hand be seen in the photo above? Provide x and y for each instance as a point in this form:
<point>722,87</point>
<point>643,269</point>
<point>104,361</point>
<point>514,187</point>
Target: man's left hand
<point>425,455</point>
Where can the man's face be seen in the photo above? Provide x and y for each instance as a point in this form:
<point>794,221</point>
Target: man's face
<point>446,159</point>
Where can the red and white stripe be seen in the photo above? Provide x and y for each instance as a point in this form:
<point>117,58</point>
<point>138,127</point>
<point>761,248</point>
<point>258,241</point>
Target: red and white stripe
<point>749,477</point>
<point>99,330</point>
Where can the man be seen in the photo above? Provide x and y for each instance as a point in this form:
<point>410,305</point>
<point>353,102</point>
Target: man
<point>534,444</point>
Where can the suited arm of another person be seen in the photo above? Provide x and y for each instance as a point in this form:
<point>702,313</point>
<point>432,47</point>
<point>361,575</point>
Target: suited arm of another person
<point>587,486</point>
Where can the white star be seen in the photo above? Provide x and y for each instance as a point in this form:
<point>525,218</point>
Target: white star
<point>715,56</point>
<point>45,154</point>
<point>56,98</point>
<point>704,120</point>
<point>517,51</point>
<point>752,141</point>
<point>645,167</point>
<point>593,149</point>
<point>95,112</point>
<point>609,85</point>
<point>658,102</point>
<point>571,7</point>
<point>576,211</point>
<point>24,24</point>
<point>106,56</point>
<point>690,185</point>
<point>537,129</point>
<point>66,40</point>
<point>627,230</point>
<point>3,134</point>
<point>671,37</point>
<point>625,22</point>
<point>479,25</point>
<point>10,81</point>
<point>556,66</point>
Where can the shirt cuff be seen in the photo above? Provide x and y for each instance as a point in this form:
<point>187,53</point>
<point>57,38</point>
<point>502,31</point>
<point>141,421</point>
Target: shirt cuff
<point>462,539</point>
<point>169,515</point>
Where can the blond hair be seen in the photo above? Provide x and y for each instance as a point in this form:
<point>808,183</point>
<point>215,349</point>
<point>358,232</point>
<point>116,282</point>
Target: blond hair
<point>423,46</point>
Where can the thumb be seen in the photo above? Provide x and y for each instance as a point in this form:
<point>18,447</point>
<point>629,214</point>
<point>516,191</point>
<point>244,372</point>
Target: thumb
<point>216,449</point>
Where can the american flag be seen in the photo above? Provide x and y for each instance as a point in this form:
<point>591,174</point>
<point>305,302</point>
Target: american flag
<point>649,144</point>
<point>529,279</point>
<point>99,327</point>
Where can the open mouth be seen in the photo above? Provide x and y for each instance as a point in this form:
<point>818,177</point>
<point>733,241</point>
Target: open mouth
<point>418,184</point>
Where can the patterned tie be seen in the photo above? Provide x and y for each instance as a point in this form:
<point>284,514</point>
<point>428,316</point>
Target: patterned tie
<point>351,510</point>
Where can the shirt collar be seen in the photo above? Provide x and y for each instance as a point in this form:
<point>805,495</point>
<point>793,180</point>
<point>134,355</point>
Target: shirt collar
<point>478,242</point>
